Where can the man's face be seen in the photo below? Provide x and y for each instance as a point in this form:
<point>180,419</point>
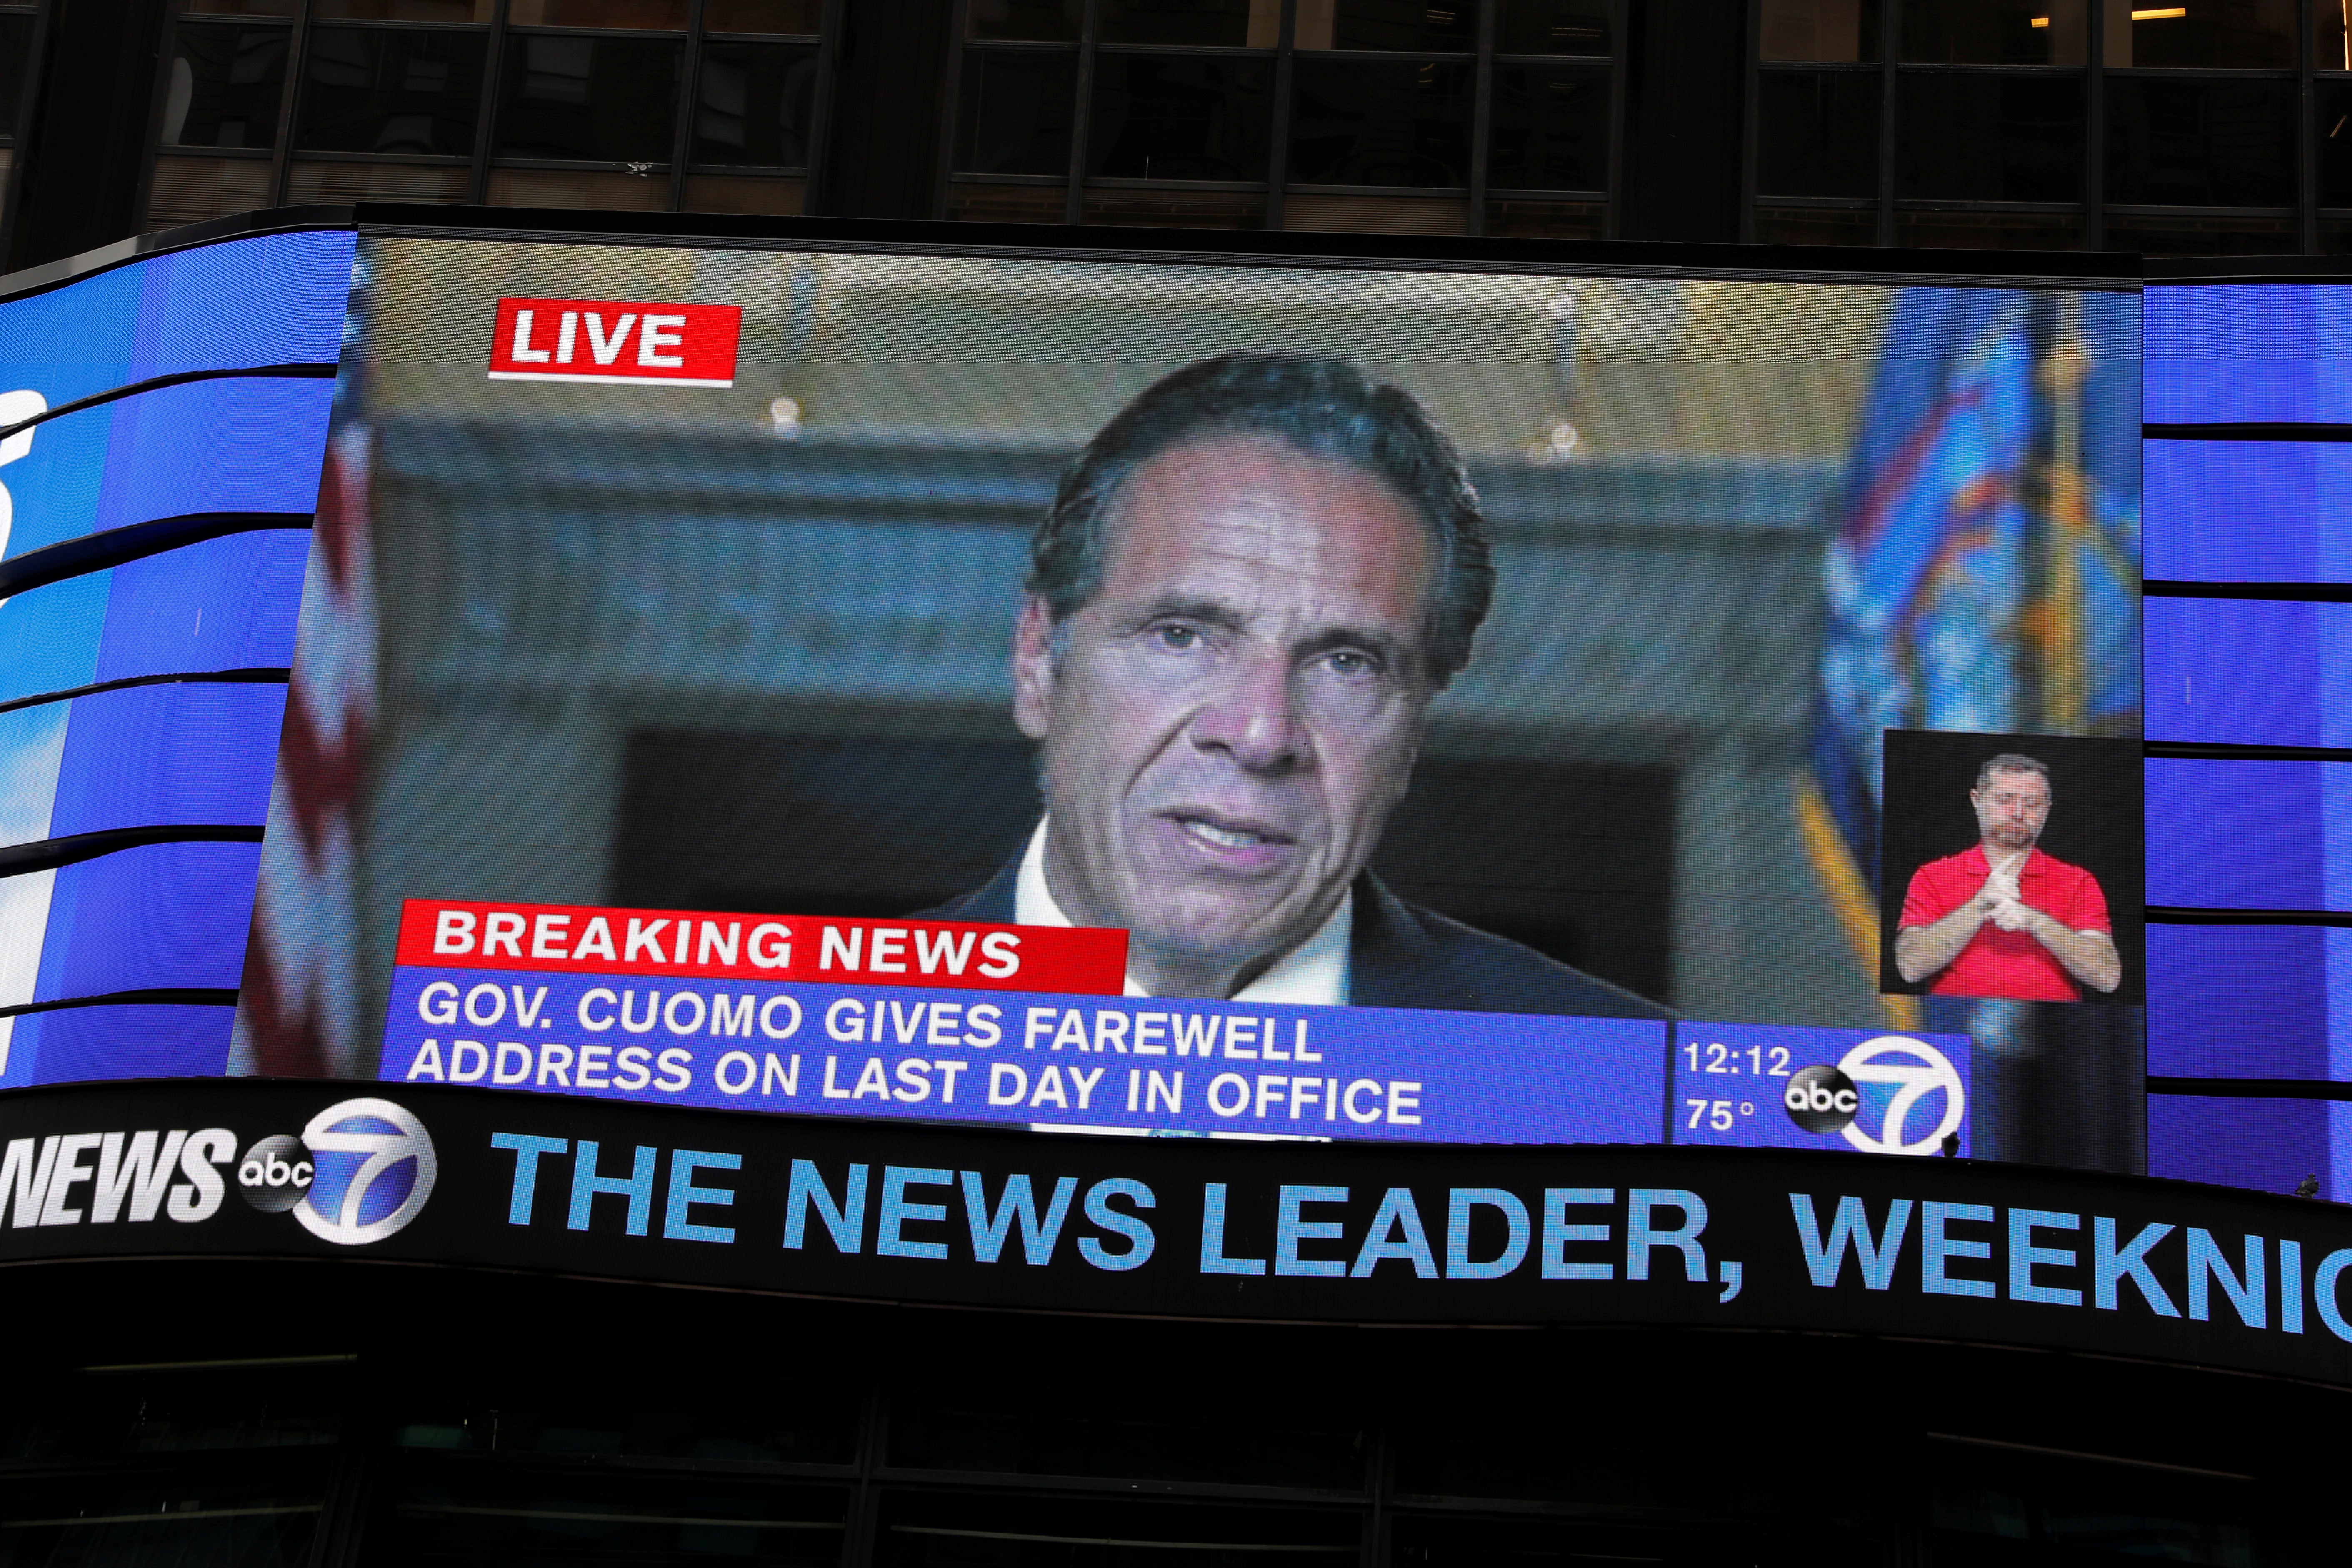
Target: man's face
<point>1236,711</point>
<point>2012,808</point>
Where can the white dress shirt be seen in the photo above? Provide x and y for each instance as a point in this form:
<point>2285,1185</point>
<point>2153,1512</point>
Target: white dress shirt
<point>1315,973</point>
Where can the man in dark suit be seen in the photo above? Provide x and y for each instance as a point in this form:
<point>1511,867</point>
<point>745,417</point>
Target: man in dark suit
<point>1250,587</point>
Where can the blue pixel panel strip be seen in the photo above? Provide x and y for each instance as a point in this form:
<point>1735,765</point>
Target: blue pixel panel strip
<point>225,603</point>
<point>2267,1145</point>
<point>77,1044</point>
<point>2241,1001</point>
<point>193,900</point>
<point>2235,353</point>
<point>278,301</point>
<point>2248,511</point>
<point>186,753</point>
<point>2248,672</point>
<point>2240,835</point>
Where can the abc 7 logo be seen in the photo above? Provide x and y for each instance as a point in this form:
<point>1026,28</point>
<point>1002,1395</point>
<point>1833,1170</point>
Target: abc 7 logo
<point>276,1174</point>
<point>1825,1099</point>
<point>360,1170</point>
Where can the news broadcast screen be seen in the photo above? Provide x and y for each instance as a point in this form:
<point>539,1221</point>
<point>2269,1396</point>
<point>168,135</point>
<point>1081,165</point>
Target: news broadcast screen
<point>1222,699</point>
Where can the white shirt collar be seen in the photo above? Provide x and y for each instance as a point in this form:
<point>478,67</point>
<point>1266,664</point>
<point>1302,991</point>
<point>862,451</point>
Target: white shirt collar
<point>1313,974</point>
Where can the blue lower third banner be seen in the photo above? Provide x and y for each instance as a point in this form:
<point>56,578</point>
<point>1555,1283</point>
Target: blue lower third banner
<point>1097,1063</point>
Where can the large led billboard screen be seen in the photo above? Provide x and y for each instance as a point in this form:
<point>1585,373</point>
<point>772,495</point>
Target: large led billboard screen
<point>1479,700</point>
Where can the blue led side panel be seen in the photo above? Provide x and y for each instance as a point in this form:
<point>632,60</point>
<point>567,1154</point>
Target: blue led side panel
<point>197,899</point>
<point>2248,672</point>
<point>2268,1145</point>
<point>2232,353</point>
<point>2249,511</point>
<point>226,604</point>
<point>2240,835</point>
<point>215,445</point>
<point>193,752</point>
<point>2248,1001</point>
<point>79,1043</point>
<point>2239,1001</point>
<point>243,304</point>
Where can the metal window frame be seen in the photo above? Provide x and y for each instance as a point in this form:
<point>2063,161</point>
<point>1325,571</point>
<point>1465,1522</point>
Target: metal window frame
<point>2094,208</point>
<point>1483,58</point>
<point>675,170</point>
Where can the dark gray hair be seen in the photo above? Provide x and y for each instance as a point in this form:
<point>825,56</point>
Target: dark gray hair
<point>1317,405</point>
<point>2012,763</point>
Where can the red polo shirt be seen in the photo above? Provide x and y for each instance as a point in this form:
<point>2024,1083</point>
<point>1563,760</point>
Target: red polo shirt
<point>1996,962</point>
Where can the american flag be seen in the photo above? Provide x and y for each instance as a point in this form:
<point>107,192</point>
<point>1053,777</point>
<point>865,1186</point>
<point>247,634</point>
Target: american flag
<point>297,1010</point>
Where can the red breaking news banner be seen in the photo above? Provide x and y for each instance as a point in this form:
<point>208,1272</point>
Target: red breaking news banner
<point>633,344</point>
<point>576,939</point>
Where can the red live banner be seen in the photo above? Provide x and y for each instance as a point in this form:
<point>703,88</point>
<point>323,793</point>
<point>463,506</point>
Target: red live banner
<point>576,939</point>
<point>615,340</point>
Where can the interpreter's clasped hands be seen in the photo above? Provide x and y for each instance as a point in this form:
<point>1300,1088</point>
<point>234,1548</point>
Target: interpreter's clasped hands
<point>2001,898</point>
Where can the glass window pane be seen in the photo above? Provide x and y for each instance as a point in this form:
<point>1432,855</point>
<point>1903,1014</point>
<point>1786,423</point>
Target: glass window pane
<point>1991,231</point>
<point>2332,35</point>
<point>226,85</point>
<point>15,42</point>
<point>1005,203</point>
<point>1179,118</point>
<point>1366,122</point>
<point>2201,143</point>
<point>768,1410</point>
<point>242,7</point>
<point>1388,25</point>
<point>607,190</point>
<point>1254,23</point>
<point>951,1531</point>
<point>401,10</point>
<point>1519,219</point>
<point>1819,30</point>
<point>1375,214</point>
<point>1989,137</point>
<point>1815,226</point>
<point>1993,32</point>
<point>188,190</point>
<point>1553,27</point>
<point>382,90</point>
<point>2253,33</point>
<point>1176,209</point>
<point>2204,235</point>
<point>776,197</point>
<point>251,1523</point>
<point>1551,129</point>
<point>456,1519</point>
<point>605,98</point>
<point>753,103</point>
<point>166,1408</point>
<point>2335,143</point>
<point>762,16</point>
<point>1013,114</point>
<point>1042,21</point>
<point>1817,133</point>
<point>336,182</point>
<point>667,14</point>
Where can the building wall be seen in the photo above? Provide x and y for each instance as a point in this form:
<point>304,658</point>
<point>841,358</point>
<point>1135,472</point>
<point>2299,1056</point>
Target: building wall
<point>2210,127</point>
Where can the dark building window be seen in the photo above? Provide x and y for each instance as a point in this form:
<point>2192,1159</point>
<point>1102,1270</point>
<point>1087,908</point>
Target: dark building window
<point>639,104</point>
<point>2174,127</point>
<point>1430,116</point>
<point>16,25</point>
